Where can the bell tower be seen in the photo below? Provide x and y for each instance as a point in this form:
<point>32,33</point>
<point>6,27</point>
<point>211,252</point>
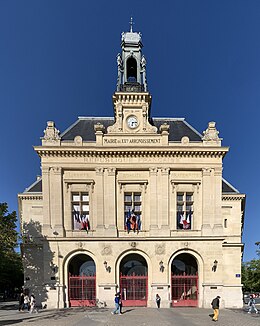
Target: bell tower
<point>131,63</point>
<point>132,101</point>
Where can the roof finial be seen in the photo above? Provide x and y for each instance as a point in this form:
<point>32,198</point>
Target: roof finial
<point>131,25</point>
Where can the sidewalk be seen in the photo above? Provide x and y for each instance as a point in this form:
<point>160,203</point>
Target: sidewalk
<point>137,316</point>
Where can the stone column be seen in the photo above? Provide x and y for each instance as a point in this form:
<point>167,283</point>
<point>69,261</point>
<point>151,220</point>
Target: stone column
<point>57,200</point>
<point>99,201</point>
<point>110,201</point>
<point>153,201</point>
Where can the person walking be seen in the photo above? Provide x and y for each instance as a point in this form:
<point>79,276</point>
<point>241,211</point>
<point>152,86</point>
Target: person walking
<point>26,302</point>
<point>33,304</point>
<point>117,307</point>
<point>158,300</point>
<point>251,305</point>
<point>215,307</point>
<point>21,302</point>
<point>120,304</point>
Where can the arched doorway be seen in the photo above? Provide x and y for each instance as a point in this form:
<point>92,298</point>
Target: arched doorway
<point>184,271</point>
<point>82,281</point>
<point>133,280</point>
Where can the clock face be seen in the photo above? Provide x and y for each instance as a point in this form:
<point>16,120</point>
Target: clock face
<point>132,122</point>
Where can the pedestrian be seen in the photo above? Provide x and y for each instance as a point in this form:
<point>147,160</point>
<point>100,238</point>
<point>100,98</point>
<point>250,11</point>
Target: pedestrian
<point>21,302</point>
<point>117,307</point>
<point>158,300</point>
<point>33,304</point>
<point>215,306</point>
<point>120,304</point>
<point>26,302</point>
<point>251,305</point>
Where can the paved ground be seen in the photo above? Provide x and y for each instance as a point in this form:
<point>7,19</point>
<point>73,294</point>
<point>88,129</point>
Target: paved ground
<point>131,317</point>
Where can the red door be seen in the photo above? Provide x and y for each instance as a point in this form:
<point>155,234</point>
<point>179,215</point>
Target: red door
<point>185,290</point>
<point>82,291</point>
<point>134,290</point>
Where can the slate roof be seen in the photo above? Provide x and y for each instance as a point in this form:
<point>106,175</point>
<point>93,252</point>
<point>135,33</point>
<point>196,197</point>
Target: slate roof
<point>84,127</point>
<point>226,187</point>
<point>35,187</point>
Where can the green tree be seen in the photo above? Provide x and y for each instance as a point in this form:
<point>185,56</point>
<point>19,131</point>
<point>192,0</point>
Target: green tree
<point>251,274</point>
<point>11,269</point>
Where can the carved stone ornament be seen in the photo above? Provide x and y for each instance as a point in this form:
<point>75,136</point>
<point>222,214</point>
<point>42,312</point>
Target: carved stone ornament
<point>99,127</point>
<point>185,140</point>
<point>107,250</point>
<point>164,128</point>
<point>51,134</point>
<point>133,244</point>
<point>160,249</point>
<point>78,141</point>
<point>211,133</point>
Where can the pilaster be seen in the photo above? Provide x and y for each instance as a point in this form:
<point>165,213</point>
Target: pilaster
<point>46,228</point>
<point>218,223</point>
<point>164,205</point>
<point>99,202</point>
<point>153,201</point>
<point>56,200</point>
<point>207,200</point>
<point>110,201</point>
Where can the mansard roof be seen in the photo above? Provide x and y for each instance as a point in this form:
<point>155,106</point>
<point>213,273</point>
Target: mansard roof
<point>35,187</point>
<point>227,188</point>
<point>84,127</point>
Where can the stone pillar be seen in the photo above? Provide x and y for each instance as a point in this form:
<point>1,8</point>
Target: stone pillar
<point>56,200</point>
<point>153,201</point>
<point>99,201</point>
<point>110,201</point>
<point>46,228</point>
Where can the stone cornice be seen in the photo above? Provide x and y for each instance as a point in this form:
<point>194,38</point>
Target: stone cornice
<point>30,196</point>
<point>127,152</point>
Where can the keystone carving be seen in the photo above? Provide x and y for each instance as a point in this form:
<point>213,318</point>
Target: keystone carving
<point>107,250</point>
<point>160,249</point>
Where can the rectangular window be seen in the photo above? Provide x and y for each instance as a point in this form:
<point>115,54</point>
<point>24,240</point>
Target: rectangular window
<point>80,210</point>
<point>133,211</point>
<point>184,210</point>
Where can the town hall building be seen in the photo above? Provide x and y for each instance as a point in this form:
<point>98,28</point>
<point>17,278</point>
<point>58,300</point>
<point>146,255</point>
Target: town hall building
<point>132,204</point>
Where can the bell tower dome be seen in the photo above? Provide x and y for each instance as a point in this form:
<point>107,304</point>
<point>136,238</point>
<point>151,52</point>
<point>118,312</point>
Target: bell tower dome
<point>131,63</point>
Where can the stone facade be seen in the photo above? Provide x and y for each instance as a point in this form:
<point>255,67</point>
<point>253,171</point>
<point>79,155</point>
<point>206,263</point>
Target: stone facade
<point>174,174</point>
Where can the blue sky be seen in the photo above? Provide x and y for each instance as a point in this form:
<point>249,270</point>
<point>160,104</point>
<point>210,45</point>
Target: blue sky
<point>58,62</point>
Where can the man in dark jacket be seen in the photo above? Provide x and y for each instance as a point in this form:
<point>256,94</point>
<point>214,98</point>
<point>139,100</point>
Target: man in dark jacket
<point>215,307</point>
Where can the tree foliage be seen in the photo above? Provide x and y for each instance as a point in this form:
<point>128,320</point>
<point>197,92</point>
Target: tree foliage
<point>11,270</point>
<point>251,274</point>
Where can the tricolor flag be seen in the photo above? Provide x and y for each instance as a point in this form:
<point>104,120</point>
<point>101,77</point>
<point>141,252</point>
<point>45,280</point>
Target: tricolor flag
<point>76,216</point>
<point>187,221</point>
<point>85,225</point>
<point>127,221</point>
